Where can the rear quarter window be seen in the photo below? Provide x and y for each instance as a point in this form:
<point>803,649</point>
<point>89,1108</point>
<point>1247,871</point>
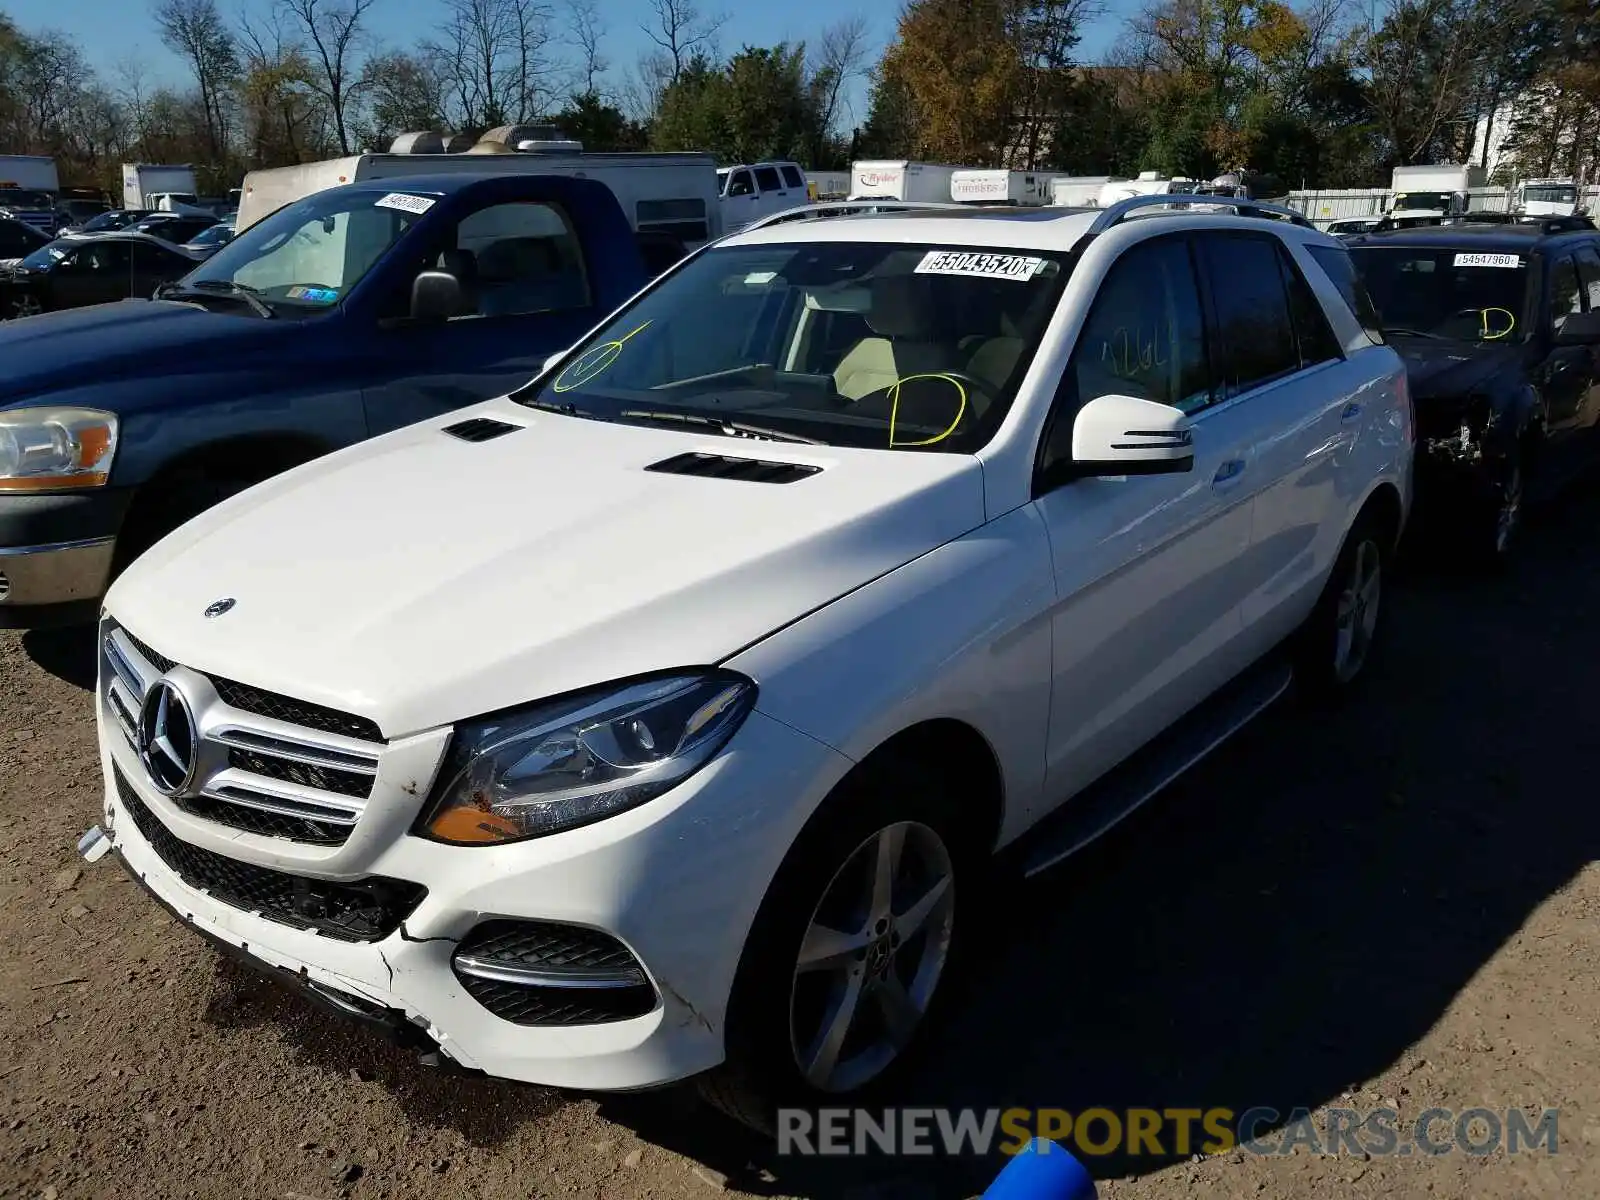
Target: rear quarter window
<point>1340,269</point>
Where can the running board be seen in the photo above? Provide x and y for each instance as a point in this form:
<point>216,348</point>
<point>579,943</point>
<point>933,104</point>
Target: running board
<point>1115,795</point>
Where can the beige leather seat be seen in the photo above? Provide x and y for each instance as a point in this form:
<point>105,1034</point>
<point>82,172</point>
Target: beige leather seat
<point>903,317</point>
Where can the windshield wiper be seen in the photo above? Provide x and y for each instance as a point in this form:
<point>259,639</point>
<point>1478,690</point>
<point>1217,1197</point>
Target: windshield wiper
<point>226,286</point>
<point>1403,331</point>
<point>566,410</point>
<point>724,427</point>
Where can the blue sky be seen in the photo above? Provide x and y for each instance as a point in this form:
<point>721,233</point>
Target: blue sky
<point>121,30</point>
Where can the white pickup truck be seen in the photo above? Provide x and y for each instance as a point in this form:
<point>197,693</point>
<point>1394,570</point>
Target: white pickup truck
<point>657,719</point>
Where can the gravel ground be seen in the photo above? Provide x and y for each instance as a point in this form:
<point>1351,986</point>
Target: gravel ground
<point>1390,906</point>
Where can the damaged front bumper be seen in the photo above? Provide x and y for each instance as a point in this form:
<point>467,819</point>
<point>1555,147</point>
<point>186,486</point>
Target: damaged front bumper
<point>667,893</point>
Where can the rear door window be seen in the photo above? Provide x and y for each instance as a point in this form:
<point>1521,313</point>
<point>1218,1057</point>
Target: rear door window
<point>1311,332</point>
<point>1254,342</point>
<point>1341,271</point>
<point>792,177</point>
<point>518,258</point>
<point>767,179</point>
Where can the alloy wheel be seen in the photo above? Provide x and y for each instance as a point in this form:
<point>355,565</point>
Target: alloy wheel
<point>1356,617</point>
<point>872,957</point>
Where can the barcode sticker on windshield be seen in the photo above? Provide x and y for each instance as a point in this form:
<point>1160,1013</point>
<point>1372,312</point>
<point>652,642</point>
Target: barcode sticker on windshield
<point>985,266</point>
<point>1488,260</point>
<point>405,203</point>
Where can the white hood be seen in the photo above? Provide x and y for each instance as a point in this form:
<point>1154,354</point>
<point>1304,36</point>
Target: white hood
<point>419,579</point>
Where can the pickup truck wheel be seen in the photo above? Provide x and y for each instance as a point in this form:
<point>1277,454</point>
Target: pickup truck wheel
<point>1336,641</point>
<point>170,505</point>
<point>842,971</point>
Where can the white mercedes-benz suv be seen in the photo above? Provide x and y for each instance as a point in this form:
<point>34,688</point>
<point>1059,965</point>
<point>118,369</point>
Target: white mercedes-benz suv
<point>660,719</point>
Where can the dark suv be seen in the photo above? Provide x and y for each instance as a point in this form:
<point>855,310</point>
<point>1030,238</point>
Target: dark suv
<point>1499,325</point>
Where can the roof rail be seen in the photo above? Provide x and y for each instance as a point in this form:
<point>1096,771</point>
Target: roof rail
<point>1113,214</point>
<point>847,208</point>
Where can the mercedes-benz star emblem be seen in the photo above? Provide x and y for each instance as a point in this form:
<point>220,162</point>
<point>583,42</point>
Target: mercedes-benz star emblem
<point>167,738</point>
<point>219,607</point>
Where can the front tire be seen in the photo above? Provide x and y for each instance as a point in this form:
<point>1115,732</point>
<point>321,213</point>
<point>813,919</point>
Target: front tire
<point>845,964</point>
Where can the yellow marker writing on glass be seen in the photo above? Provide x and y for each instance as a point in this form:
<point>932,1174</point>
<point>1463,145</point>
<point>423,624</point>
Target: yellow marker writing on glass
<point>1506,332</point>
<point>592,363</point>
<point>894,407</point>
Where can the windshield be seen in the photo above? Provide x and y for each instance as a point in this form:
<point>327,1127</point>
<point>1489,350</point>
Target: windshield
<point>1550,193</point>
<point>106,222</point>
<point>846,343</point>
<point>1427,200</point>
<point>1473,296</point>
<point>307,256</point>
<point>47,255</point>
<point>22,198</point>
<point>214,236</point>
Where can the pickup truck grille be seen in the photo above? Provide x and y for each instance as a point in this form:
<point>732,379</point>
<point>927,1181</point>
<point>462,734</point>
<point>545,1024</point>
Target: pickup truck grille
<point>265,764</point>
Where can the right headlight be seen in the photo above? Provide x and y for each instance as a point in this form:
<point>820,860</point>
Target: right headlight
<point>55,449</point>
<point>580,759</point>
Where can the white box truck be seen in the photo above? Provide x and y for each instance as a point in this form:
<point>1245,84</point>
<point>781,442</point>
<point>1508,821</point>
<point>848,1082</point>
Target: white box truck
<point>901,179</point>
<point>828,185</point>
<point>150,185</point>
<point>1437,190</point>
<point>29,188</point>
<point>1023,189</point>
<point>1548,197</point>
<point>671,193</point>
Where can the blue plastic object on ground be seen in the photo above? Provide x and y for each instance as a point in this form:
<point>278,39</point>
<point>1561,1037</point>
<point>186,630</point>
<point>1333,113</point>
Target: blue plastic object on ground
<point>1042,1170</point>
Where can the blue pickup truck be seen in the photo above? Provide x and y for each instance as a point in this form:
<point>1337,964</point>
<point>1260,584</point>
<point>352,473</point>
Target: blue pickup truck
<point>339,317</point>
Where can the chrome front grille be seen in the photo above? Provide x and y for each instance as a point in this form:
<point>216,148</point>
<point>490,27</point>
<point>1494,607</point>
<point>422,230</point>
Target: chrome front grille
<point>257,768</point>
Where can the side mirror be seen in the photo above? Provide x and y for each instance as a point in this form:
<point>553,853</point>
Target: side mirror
<point>1580,329</point>
<point>435,296</point>
<point>1122,435</point>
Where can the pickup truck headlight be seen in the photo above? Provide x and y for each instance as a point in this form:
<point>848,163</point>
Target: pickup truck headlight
<point>580,759</point>
<point>50,449</point>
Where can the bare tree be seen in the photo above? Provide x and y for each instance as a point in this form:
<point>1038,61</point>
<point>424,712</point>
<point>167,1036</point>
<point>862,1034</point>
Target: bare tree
<point>195,31</point>
<point>587,29</point>
<point>332,30</point>
<point>495,60</point>
<point>681,30</point>
<point>841,59</point>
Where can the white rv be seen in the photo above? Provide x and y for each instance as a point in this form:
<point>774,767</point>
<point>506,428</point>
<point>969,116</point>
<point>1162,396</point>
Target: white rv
<point>1080,191</point>
<point>900,179</point>
<point>1148,183</point>
<point>1024,189</point>
<point>672,193</point>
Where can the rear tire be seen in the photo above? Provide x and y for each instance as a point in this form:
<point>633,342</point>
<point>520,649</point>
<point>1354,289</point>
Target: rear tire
<point>1336,643</point>
<point>831,940</point>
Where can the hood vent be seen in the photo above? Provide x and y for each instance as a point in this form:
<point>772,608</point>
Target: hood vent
<point>480,429</point>
<point>720,466</point>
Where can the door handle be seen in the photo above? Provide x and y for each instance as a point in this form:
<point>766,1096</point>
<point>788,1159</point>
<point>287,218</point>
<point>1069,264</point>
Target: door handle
<point>1350,413</point>
<point>1228,474</point>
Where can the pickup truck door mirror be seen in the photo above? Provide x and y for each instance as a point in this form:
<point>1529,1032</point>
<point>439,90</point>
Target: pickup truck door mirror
<point>435,296</point>
<point>1123,435</point>
<point>1580,329</point>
